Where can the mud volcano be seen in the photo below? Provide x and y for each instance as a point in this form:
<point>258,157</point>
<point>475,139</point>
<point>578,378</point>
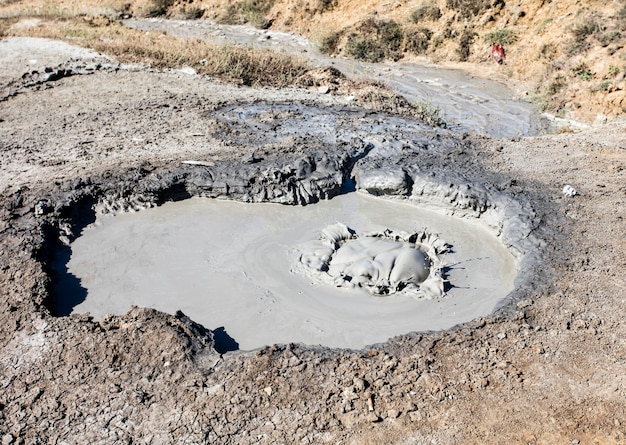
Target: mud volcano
<point>415,248</point>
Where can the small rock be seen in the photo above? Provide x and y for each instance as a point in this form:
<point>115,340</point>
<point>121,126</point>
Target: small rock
<point>359,384</point>
<point>268,391</point>
<point>570,191</point>
<point>7,439</point>
<point>373,417</point>
<point>415,416</point>
<point>501,336</point>
<point>324,89</point>
<point>41,208</point>
<point>251,158</point>
<point>393,413</point>
<point>524,304</point>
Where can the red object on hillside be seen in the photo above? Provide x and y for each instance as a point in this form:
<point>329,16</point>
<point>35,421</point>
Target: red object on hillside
<point>497,52</point>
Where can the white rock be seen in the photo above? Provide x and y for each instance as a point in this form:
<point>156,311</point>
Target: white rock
<point>570,191</point>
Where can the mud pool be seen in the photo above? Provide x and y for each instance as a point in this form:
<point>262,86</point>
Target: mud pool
<point>234,266</point>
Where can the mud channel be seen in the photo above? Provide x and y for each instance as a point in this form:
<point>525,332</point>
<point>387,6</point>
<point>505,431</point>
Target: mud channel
<point>178,148</point>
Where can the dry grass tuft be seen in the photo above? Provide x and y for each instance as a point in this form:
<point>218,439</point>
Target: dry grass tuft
<point>245,65</point>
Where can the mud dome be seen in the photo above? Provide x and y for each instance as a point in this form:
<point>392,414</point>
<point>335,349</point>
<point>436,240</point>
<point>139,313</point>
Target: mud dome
<point>381,262</point>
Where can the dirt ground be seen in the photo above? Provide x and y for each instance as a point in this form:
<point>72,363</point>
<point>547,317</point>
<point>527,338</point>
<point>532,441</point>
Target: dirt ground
<point>548,368</point>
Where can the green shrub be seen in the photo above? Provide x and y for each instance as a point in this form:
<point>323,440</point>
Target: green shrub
<point>548,51</point>
<point>326,5</point>
<point>603,86</point>
<point>468,8</point>
<point>375,40</point>
<point>502,36</point>
<point>417,40</point>
<point>329,43</point>
<point>247,11</point>
<point>613,71</point>
<point>363,48</point>
<point>607,38</point>
<point>159,8</point>
<point>556,85</point>
<point>431,114</point>
<point>465,43</point>
<point>586,28</point>
<point>425,12</point>
<point>583,71</point>
<point>580,33</point>
<point>192,13</point>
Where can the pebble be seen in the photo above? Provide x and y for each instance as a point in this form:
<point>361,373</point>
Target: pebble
<point>570,191</point>
<point>373,417</point>
<point>415,416</point>
<point>393,414</point>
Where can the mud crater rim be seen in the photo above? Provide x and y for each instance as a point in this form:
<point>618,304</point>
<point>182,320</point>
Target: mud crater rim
<point>180,191</point>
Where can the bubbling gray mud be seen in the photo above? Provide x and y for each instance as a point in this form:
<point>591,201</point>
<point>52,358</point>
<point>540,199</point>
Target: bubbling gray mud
<point>383,263</point>
<point>237,265</point>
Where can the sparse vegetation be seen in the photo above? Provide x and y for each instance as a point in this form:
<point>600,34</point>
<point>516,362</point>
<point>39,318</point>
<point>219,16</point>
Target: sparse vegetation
<point>502,36</point>
<point>417,40</point>
<point>468,8</point>
<point>248,11</point>
<point>548,52</point>
<point>613,71</point>
<point>586,28</point>
<point>604,86</point>
<point>191,13</point>
<point>583,71</point>
<point>591,26</point>
<point>328,43</point>
<point>375,40</point>
<point>557,84</point>
<point>597,35</point>
<point>245,65</point>
<point>431,114</point>
<point>465,43</point>
<point>606,38</point>
<point>543,25</point>
<point>425,12</point>
<point>326,5</point>
<point>159,8</point>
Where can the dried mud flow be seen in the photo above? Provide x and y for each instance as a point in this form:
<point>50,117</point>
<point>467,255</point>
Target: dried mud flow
<point>547,367</point>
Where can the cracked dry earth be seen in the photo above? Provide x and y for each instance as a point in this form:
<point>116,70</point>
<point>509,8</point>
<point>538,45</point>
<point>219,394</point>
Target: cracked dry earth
<point>548,367</point>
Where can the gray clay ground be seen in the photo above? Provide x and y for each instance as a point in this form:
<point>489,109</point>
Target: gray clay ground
<point>547,368</point>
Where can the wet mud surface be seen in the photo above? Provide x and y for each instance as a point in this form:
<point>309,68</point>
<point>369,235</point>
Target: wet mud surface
<point>547,367</point>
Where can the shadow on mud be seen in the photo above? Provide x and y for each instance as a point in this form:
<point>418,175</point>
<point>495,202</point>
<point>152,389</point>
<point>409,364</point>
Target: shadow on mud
<point>68,291</point>
<point>224,342</point>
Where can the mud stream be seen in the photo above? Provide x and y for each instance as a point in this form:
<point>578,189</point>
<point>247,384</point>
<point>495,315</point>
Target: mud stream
<point>468,103</point>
